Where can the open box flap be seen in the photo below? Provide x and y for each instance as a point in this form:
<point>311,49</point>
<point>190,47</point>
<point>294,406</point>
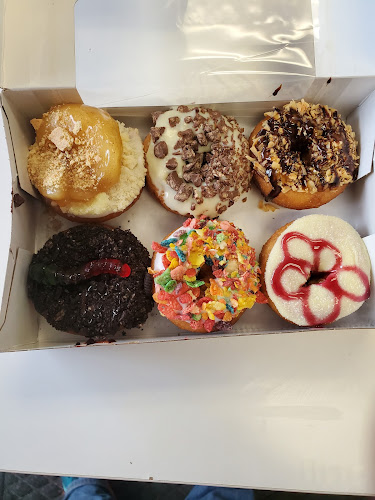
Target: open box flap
<point>191,51</point>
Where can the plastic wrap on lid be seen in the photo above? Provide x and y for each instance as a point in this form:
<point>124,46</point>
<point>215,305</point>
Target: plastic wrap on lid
<point>183,51</point>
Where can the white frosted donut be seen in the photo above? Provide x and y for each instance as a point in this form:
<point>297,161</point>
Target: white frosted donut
<point>317,271</point>
<point>198,161</point>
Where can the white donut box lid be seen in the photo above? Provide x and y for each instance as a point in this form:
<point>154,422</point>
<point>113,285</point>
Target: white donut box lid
<point>132,58</point>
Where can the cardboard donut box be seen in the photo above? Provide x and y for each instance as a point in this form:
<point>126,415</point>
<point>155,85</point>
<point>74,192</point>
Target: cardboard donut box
<point>67,63</point>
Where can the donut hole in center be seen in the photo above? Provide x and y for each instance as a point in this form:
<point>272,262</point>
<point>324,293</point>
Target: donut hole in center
<point>316,277</point>
<point>205,274</point>
<point>302,145</point>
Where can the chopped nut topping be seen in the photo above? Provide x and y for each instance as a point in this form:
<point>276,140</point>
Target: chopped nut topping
<point>305,147</point>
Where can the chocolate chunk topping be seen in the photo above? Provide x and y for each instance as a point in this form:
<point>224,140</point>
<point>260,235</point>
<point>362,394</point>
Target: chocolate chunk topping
<point>161,149</point>
<point>184,192</point>
<point>208,191</point>
<point>187,153</point>
<point>174,121</point>
<point>171,164</point>
<point>174,181</point>
<point>188,119</point>
<point>214,135</point>
<point>155,115</point>
<point>183,109</point>
<point>187,135</point>
<point>220,208</point>
<point>202,139</point>
<point>156,132</point>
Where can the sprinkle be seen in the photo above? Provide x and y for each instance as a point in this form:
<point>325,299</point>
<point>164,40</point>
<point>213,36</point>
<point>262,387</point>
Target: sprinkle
<point>170,286</point>
<point>157,247</point>
<point>163,279</point>
<point>195,284</point>
<point>190,272</point>
<point>227,316</point>
<point>189,278</point>
<point>196,317</point>
<point>178,273</point>
<point>196,259</point>
<point>230,308</point>
<point>185,298</point>
<point>209,324</point>
<point>165,261</point>
<point>173,264</point>
<point>180,254</point>
<point>166,243</point>
<point>184,236</point>
<point>220,237</point>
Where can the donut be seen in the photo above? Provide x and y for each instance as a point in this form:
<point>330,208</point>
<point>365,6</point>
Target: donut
<point>303,155</point>
<point>86,165</point>
<point>205,275</point>
<point>92,281</point>
<point>197,161</point>
<point>315,270</point>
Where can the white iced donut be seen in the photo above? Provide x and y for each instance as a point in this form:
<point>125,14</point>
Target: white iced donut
<point>315,270</point>
<point>198,161</point>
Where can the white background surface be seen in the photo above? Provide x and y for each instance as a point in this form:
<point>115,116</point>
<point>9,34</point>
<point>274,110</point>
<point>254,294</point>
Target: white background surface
<point>291,411</point>
<point>287,411</point>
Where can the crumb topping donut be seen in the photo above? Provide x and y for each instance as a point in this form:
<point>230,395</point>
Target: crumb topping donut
<point>198,161</point>
<point>303,155</point>
<point>92,281</point>
<point>315,270</point>
<point>85,163</point>
<point>205,275</point>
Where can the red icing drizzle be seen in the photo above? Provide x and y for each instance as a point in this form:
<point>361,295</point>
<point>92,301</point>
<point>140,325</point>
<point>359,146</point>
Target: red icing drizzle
<point>305,268</point>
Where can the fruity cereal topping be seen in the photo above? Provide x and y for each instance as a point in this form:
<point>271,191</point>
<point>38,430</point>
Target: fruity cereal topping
<point>205,274</point>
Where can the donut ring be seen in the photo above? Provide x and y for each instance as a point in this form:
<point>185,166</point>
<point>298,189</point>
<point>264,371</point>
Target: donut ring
<point>197,161</point>
<point>92,281</point>
<point>205,275</point>
<point>328,266</point>
<point>303,156</point>
<point>86,166</point>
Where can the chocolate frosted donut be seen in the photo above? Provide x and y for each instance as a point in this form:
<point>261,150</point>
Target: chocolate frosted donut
<point>198,161</point>
<point>92,281</point>
<point>303,155</point>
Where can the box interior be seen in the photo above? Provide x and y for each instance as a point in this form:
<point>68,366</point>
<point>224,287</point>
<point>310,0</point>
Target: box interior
<point>195,53</point>
<point>33,223</point>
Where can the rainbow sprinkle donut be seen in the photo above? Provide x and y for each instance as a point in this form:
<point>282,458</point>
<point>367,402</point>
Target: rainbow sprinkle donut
<point>205,275</point>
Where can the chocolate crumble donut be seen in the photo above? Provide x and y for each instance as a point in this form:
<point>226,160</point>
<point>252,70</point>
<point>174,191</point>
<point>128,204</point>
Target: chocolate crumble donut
<point>197,161</point>
<point>303,155</point>
<point>92,281</point>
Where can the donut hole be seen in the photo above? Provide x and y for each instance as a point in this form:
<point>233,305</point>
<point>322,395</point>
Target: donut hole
<point>316,277</point>
<point>205,274</point>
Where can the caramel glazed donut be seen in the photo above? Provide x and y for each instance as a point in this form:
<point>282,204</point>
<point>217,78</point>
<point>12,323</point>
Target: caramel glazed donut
<point>315,270</point>
<point>198,161</point>
<point>303,155</point>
